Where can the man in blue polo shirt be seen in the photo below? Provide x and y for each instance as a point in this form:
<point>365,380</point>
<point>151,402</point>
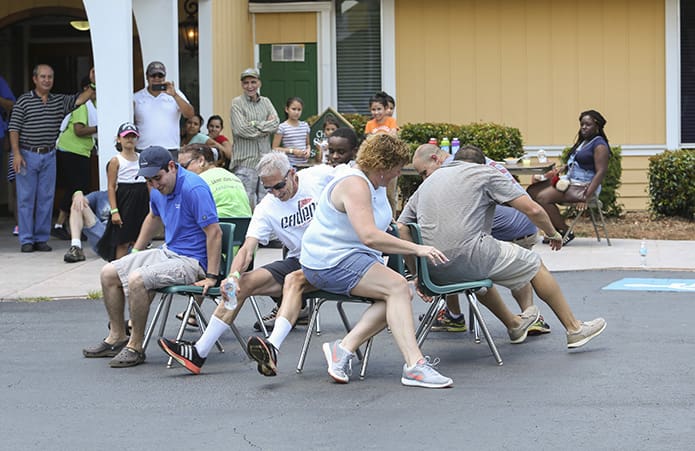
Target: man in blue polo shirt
<point>182,202</point>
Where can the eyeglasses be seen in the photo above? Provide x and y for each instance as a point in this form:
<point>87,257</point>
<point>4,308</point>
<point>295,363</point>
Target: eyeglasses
<point>278,186</point>
<point>186,164</point>
<point>157,75</point>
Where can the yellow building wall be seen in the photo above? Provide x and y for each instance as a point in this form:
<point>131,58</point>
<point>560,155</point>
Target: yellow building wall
<point>285,28</point>
<point>534,65</point>
<point>232,53</point>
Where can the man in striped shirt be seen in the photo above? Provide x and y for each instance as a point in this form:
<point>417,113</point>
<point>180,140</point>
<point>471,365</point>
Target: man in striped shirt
<point>34,127</point>
<point>254,119</point>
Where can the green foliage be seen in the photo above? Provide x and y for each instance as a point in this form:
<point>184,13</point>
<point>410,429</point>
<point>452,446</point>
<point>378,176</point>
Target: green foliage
<point>611,183</point>
<point>671,183</point>
<point>496,141</point>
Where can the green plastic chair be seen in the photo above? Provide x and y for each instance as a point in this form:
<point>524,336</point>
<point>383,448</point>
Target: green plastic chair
<point>439,293</point>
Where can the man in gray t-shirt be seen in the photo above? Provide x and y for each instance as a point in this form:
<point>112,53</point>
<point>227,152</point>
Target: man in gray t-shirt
<point>455,211</point>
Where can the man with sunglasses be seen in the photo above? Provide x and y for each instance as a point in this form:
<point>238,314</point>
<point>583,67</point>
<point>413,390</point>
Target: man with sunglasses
<point>158,108</point>
<point>286,213</point>
<point>182,202</point>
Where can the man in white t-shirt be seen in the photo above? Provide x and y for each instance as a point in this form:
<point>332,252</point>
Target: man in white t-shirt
<point>158,109</point>
<point>286,214</point>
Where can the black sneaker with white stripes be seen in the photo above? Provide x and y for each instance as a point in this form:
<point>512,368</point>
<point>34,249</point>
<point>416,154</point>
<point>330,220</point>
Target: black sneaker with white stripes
<point>263,352</point>
<point>184,353</point>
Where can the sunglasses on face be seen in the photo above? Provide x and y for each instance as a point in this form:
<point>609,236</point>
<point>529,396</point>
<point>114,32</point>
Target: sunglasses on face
<point>186,164</point>
<point>278,186</point>
<point>157,75</point>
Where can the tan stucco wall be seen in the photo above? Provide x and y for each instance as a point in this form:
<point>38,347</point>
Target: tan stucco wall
<point>232,52</point>
<point>534,65</point>
<point>287,28</point>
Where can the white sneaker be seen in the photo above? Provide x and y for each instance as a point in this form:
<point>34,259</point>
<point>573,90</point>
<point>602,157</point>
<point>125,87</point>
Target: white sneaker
<point>339,362</point>
<point>589,330</point>
<point>423,374</point>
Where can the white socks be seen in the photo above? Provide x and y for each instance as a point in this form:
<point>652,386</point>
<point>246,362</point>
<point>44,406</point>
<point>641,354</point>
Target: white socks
<point>215,329</point>
<point>280,331</point>
<point>76,242</point>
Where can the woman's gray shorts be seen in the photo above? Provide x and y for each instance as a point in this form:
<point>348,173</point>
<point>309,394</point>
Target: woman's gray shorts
<point>345,276</point>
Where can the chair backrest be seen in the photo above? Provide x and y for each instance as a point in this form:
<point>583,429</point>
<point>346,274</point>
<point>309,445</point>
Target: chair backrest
<point>395,261</point>
<point>228,243</point>
<point>426,283</point>
<point>241,227</point>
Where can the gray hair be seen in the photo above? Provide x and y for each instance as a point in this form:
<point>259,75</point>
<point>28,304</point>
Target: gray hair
<point>425,152</point>
<point>273,162</point>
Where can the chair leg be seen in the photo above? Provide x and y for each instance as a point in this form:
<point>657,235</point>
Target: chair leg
<point>309,332</point>
<point>475,327</point>
<point>365,360</point>
<point>426,324</point>
<point>203,324</point>
<point>570,229</point>
<point>593,223</point>
<point>163,299</point>
<point>259,316</point>
<point>603,224</point>
<point>473,302</point>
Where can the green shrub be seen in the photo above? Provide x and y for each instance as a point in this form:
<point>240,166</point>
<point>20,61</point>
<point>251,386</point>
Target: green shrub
<point>497,141</point>
<point>611,183</point>
<point>671,183</point>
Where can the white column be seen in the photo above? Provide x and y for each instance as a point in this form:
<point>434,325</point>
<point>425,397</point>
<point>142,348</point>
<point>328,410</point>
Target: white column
<point>673,74</point>
<point>158,27</point>
<point>325,58</point>
<point>110,27</point>
<point>388,47</point>
<point>205,76</point>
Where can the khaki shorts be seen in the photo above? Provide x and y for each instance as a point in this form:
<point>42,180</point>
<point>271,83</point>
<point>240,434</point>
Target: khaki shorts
<point>159,268</point>
<point>515,266</point>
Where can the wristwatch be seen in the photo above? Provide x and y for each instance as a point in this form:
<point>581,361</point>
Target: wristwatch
<point>212,276</point>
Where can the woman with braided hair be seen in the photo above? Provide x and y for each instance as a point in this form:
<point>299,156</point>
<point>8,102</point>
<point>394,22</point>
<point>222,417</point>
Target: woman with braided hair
<point>586,168</point>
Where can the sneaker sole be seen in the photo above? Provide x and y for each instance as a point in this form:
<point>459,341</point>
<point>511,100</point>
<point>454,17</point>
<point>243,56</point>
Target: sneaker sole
<point>261,354</point>
<point>584,341</point>
<point>190,366</point>
<point>329,360</point>
<point>416,383</point>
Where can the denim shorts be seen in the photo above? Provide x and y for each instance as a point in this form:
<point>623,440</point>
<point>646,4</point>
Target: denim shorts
<point>343,277</point>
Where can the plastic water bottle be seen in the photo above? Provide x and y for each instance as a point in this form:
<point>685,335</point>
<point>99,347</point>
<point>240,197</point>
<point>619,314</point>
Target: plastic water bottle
<point>444,145</point>
<point>229,288</point>
<point>455,146</point>
<point>542,158</point>
<point>432,141</point>
<point>643,254</point>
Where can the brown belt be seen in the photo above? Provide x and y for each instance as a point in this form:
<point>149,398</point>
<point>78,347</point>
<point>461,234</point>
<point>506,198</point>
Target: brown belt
<point>39,149</point>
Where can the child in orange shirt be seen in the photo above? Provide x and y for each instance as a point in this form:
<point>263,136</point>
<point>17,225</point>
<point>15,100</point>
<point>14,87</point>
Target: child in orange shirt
<point>381,121</point>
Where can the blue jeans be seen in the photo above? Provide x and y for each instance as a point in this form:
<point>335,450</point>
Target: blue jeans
<point>36,183</point>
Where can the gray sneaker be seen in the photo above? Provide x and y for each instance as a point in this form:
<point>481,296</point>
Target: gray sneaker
<point>339,362</point>
<point>528,317</point>
<point>73,255</point>
<point>423,374</point>
<point>589,330</point>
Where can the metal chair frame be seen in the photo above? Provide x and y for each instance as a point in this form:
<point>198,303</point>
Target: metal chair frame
<point>318,298</point>
<point>439,293</point>
<point>592,204</point>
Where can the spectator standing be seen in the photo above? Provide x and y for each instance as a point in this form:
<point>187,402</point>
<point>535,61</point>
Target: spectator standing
<point>34,127</point>
<point>254,119</point>
<point>7,100</point>
<point>215,127</point>
<point>182,202</point>
<point>292,136</point>
<point>158,109</point>
<point>75,145</point>
<point>128,196</point>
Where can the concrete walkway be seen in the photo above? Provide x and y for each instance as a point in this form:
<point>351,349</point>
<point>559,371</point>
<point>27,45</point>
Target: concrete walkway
<point>44,274</point>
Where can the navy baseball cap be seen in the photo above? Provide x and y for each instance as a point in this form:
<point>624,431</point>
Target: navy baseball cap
<point>152,160</point>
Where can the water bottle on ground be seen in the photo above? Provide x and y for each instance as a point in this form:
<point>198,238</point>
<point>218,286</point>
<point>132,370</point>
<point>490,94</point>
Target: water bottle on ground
<point>229,288</point>
<point>643,254</point>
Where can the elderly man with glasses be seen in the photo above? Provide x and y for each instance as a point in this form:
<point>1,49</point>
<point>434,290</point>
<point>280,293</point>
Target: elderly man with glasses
<point>286,214</point>
<point>158,108</point>
<point>182,202</point>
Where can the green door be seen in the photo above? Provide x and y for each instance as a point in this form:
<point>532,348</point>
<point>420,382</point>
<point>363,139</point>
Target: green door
<point>289,70</point>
